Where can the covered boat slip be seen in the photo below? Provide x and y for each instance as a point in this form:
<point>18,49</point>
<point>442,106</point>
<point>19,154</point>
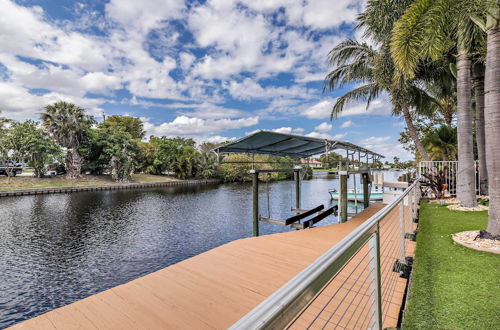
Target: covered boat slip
<point>215,289</point>
<point>296,146</point>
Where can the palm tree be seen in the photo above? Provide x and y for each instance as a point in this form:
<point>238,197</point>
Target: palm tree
<point>67,124</point>
<point>358,62</point>
<point>427,30</point>
<point>492,114</point>
<point>442,143</point>
<point>478,84</point>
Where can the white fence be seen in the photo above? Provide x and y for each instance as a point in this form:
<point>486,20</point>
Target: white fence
<point>449,170</point>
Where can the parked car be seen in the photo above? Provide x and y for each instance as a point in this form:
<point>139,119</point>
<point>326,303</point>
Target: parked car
<point>55,169</point>
<point>10,167</point>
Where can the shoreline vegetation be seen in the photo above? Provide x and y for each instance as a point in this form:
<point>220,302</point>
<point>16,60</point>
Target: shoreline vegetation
<point>25,182</point>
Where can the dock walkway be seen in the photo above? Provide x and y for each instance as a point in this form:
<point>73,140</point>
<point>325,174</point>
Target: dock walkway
<point>211,290</point>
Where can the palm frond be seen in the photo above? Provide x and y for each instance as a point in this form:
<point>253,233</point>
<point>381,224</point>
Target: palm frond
<point>366,93</point>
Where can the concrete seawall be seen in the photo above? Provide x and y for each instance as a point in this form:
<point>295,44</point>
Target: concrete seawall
<point>57,190</point>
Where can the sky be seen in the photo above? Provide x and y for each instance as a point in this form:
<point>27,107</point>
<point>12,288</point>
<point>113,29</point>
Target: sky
<point>210,70</point>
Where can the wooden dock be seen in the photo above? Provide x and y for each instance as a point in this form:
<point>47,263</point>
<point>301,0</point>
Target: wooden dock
<point>214,289</point>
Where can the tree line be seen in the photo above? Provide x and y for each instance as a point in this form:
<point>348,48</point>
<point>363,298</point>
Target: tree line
<point>436,60</point>
<point>116,146</point>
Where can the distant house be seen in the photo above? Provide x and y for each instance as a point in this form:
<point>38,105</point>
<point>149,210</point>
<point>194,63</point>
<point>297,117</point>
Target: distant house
<point>313,163</point>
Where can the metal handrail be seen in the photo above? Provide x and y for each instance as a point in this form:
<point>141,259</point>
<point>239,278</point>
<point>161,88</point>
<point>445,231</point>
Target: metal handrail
<point>280,308</point>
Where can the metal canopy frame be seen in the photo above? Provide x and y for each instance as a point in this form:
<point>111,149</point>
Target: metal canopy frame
<point>297,146</point>
<point>294,146</point>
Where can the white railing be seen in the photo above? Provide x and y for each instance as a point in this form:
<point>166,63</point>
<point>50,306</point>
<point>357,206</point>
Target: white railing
<point>448,169</point>
<point>354,283</point>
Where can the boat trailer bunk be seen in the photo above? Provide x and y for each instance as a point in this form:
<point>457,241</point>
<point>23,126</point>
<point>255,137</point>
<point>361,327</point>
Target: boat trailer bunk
<point>299,147</point>
<point>294,221</point>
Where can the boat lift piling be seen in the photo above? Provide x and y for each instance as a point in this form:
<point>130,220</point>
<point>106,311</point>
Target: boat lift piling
<point>301,147</point>
<point>255,192</point>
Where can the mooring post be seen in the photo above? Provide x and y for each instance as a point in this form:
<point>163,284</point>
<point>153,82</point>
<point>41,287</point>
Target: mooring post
<point>343,196</point>
<point>366,196</point>
<point>255,186</point>
<point>297,188</point>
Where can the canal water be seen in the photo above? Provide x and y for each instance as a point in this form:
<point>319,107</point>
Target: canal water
<point>56,249</point>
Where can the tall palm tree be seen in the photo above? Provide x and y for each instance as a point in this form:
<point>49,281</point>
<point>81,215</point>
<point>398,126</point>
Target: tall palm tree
<point>492,114</point>
<point>478,85</point>
<point>358,62</point>
<point>427,30</point>
<point>67,124</point>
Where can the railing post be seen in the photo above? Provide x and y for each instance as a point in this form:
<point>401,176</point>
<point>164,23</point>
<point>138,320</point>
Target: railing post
<point>414,199</point>
<point>376,283</point>
<point>402,231</point>
<point>410,203</point>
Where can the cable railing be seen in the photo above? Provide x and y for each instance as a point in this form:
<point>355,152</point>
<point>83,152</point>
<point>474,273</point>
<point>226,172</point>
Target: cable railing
<point>359,283</point>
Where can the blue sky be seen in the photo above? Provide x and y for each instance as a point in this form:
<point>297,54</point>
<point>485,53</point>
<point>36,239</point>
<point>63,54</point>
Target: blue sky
<point>211,70</point>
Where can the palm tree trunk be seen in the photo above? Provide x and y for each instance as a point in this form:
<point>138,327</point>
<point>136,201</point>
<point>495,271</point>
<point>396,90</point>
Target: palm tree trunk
<point>492,127</point>
<point>73,164</point>
<point>466,177</point>
<point>480,138</point>
<point>413,134</point>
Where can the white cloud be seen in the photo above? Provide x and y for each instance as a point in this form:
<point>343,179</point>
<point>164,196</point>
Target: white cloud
<point>322,14</point>
<point>384,146</point>
<point>323,109</point>
<point>143,15</point>
<point>320,110</point>
<point>183,125</point>
<point>323,127</point>
<point>326,136</point>
<point>249,89</point>
<point>373,140</point>
<point>289,130</point>
<point>346,124</point>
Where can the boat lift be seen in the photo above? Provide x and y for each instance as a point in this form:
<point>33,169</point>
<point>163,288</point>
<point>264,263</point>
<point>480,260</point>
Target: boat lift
<point>297,147</point>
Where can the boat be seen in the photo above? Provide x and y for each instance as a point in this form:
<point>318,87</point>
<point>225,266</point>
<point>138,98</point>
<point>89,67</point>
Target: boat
<point>352,195</point>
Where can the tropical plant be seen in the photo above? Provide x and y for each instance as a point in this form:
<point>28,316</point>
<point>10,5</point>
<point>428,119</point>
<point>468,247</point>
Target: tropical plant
<point>359,62</point>
<point>11,149</point>
<point>91,150</point>
<point>133,125</point>
<point>119,149</point>
<point>186,162</point>
<point>428,30</point>
<point>207,165</point>
<point>436,180</point>
<point>441,143</point>
<point>67,123</point>
<point>35,145</point>
<point>159,153</point>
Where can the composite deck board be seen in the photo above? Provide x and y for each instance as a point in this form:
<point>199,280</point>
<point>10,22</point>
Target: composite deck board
<point>216,288</point>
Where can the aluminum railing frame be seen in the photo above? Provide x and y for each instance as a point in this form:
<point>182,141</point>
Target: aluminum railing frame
<point>282,307</point>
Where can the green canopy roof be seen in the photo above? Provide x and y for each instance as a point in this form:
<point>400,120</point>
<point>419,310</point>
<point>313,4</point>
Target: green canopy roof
<point>295,146</point>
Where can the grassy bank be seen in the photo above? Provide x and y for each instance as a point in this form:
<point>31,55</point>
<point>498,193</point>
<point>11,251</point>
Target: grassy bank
<point>453,287</point>
<point>26,182</point>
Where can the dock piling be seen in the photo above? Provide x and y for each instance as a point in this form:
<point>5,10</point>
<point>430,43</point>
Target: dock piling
<point>343,195</point>
<point>255,185</point>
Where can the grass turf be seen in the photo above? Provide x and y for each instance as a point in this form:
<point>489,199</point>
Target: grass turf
<point>26,182</point>
<point>453,287</point>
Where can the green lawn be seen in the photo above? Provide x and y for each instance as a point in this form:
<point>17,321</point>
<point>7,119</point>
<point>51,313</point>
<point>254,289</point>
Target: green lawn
<point>25,182</point>
<point>453,287</point>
